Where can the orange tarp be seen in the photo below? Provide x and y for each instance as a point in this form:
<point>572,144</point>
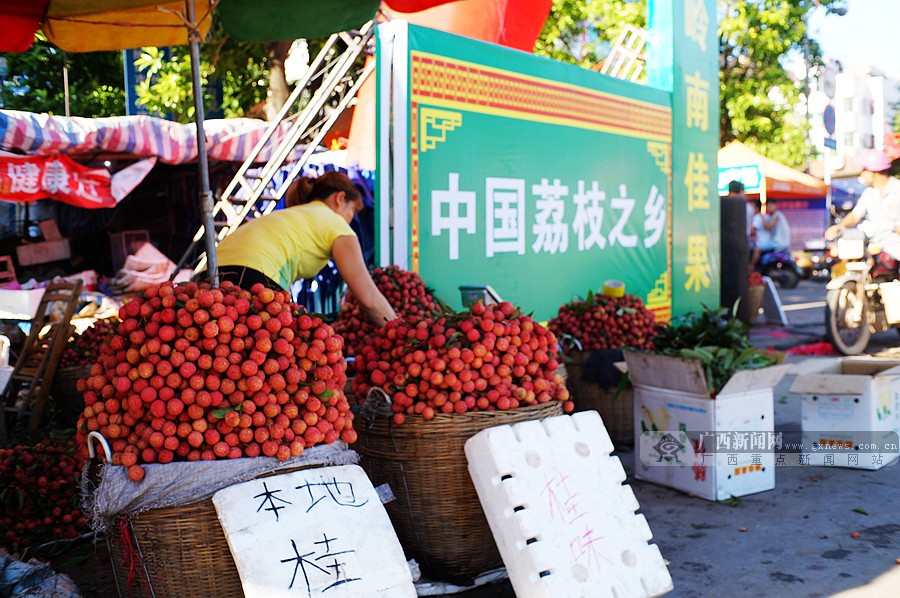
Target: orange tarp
<point>782,182</point>
<point>94,25</point>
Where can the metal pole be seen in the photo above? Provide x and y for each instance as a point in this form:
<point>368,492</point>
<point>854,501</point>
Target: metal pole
<point>206,201</point>
<point>826,163</point>
<point>65,74</point>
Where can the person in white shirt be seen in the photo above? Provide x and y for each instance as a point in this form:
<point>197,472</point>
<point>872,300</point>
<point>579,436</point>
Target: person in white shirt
<point>879,205</point>
<point>771,229</point>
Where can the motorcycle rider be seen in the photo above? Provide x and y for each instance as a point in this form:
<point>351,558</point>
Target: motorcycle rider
<point>772,231</point>
<point>879,204</point>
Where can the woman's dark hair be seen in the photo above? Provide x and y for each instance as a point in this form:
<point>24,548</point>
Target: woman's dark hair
<point>305,189</point>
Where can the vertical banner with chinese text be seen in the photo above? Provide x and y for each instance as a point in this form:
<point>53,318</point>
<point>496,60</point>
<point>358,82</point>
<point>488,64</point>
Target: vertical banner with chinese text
<point>683,59</point>
<point>539,179</point>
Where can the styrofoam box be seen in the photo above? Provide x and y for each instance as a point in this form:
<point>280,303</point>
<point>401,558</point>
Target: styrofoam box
<point>19,304</point>
<point>839,396</point>
<point>670,395</point>
<point>562,519</point>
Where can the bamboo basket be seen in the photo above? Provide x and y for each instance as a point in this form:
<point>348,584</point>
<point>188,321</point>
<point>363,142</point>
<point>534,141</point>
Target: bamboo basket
<point>590,393</point>
<point>176,552</point>
<point>755,295</point>
<point>437,515</point>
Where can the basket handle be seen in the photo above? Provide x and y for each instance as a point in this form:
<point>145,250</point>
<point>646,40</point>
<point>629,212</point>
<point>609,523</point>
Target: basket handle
<point>377,393</point>
<point>571,339</point>
<point>92,451</point>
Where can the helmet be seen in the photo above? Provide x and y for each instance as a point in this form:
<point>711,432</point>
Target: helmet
<point>875,161</point>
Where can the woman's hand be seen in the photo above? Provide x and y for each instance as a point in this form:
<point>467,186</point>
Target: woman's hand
<point>348,257</point>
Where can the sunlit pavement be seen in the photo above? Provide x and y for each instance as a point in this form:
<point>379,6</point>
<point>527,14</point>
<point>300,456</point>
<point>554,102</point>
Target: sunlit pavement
<point>804,311</point>
<point>823,531</point>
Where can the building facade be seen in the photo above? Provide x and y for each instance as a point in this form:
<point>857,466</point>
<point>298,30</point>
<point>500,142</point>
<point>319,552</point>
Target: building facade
<point>864,101</point>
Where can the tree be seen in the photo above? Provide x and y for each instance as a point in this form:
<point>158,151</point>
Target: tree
<point>34,81</point>
<point>582,33</point>
<point>236,69</point>
<point>759,99</point>
<point>895,119</point>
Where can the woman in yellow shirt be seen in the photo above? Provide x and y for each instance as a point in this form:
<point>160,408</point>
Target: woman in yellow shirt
<point>298,241</point>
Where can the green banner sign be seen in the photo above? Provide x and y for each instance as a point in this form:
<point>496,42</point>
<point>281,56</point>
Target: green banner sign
<point>684,60</point>
<point>540,179</point>
<point>749,175</point>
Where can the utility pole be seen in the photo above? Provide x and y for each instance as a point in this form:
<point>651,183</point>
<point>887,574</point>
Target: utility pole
<point>807,87</point>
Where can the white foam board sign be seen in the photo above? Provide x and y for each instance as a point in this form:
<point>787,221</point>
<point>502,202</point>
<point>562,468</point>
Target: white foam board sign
<point>315,532</point>
<point>563,520</point>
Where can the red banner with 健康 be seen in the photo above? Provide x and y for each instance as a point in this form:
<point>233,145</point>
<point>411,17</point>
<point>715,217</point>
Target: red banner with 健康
<point>30,178</point>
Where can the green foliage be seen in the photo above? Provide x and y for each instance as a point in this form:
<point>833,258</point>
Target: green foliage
<point>239,67</point>
<point>895,119</point>
<point>708,328</point>
<point>759,99</point>
<point>34,81</point>
<point>719,343</point>
<point>583,32</point>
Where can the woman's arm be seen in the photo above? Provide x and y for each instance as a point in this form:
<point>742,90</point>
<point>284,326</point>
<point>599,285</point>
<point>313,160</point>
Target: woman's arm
<point>349,260</point>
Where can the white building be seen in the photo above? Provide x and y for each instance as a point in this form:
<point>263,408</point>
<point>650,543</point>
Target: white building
<point>863,99</point>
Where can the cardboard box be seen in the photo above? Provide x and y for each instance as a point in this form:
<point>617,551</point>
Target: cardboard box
<point>672,403</point>
<point>20,304</point>
<point>850,404</point>
<point>49,230</point>
<point>44,252</point>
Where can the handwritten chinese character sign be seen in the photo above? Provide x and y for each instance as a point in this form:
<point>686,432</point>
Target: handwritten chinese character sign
<point>564,522</point>
<point>316,532</point>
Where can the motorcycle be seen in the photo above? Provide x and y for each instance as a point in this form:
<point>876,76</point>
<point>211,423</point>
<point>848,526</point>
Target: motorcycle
<point>863,295</point>
<point>818,261</point>
<point>780,266</point>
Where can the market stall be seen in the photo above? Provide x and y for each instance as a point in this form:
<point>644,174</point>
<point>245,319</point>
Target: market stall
<point>801,197</point>
<point>203,398</point>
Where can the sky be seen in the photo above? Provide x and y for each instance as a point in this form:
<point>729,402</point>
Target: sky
<point>868,33</point>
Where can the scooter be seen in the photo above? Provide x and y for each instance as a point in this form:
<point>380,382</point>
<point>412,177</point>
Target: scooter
<point>780,266</point>
<point>863,296</point>
<point>819,261</point>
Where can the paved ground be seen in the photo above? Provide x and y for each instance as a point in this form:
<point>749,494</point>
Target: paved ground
<point>820,532</point>
<point>795,540</point>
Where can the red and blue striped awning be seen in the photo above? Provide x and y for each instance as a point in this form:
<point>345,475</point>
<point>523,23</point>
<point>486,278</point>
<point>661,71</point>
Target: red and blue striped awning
<point>230,140</point>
